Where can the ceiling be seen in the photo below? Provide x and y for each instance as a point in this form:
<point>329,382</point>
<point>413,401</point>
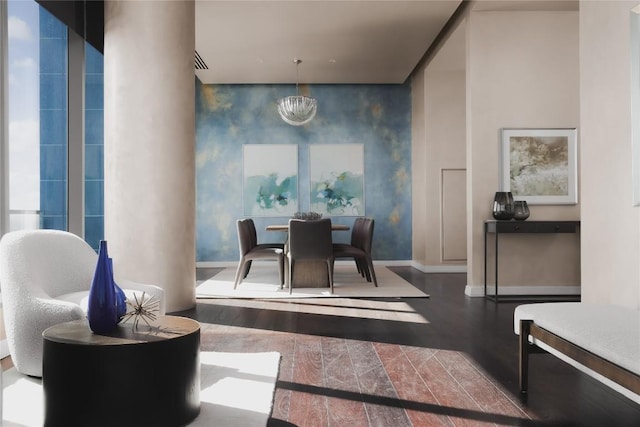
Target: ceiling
<point>361,41</point>
<point>339,41</point>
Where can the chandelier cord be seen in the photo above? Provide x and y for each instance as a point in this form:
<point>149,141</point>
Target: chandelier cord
<point>297,61</point>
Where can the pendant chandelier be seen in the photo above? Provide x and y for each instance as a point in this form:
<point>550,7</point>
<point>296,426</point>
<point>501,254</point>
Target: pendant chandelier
<point>297,110</point>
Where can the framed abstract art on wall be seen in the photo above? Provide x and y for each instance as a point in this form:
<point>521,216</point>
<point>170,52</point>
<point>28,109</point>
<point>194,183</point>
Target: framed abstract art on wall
<point>270,179</point>
<point>540,165</point>
<point>336,173</point>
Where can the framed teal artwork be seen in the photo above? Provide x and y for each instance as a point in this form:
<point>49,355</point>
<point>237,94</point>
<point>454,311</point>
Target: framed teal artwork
<point>336,175</point>
<point>270,179</point>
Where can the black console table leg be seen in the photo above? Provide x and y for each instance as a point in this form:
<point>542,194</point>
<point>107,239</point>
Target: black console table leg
<point>496,259</point>
<point>485,260</point>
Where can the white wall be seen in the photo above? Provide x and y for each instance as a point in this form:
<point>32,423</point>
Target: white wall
<point>610,225</point>
<point>522,72</point>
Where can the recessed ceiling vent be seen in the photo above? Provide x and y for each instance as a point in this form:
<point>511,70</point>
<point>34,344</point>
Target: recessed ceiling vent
<point>200,65</point>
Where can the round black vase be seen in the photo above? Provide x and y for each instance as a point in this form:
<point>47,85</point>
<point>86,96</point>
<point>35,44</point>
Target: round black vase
<point>520,210</point>
<point>503,205</point>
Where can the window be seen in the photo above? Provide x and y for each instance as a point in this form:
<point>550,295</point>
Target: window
<point>43,119</point>
<point>23,64</point>
<point>93,148</point>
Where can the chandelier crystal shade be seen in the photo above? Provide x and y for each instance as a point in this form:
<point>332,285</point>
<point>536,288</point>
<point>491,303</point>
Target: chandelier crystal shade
<point>297,110</point>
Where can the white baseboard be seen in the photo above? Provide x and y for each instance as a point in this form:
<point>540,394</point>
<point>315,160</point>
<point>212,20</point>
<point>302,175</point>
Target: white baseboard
<point>441,268</point>
<point>225,264</point>
<point>386,263</point>
<point>216,264</point>
<point>478,290</point>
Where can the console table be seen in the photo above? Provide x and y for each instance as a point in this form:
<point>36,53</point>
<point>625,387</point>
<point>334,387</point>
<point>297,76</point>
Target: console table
<point>144,376</point>
<point>498,227</point>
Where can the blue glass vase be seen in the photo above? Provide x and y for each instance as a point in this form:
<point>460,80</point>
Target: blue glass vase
<point>102,307</point>
<point>121,298</point>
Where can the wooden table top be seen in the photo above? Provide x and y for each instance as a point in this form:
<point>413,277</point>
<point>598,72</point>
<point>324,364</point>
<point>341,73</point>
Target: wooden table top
<point>163,328</point>
<point>285,227</point>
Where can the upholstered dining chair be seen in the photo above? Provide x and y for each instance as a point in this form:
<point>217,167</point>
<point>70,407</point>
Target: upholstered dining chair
<point>360,248</point>
<point>250,250</point>
<point>356,237</point>
<point>45,277</point>
<point>310,240</point>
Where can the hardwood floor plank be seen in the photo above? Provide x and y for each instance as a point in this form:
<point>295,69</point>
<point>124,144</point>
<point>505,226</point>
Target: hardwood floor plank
<point>452,397</point>
<point>283,344</point>
<point>281,404</point>
<point>338,367</point>
<point>375,384</point>
<point>308,408</point>
<point>410,387</point>
<point>347,409</point>
<point>482,390</point>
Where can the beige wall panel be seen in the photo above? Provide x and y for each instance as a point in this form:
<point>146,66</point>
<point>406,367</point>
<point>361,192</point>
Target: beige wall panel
<point>522,70</point>
<point>418,168</point>
<point>535,260</point>
<point>438,141</point>
<point>444,142</point>
<point>610,225</point>
<point>445,139</point>
<point>454,215</point>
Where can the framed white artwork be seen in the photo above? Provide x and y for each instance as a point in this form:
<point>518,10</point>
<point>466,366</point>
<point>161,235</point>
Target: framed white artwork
<point>540,165</point>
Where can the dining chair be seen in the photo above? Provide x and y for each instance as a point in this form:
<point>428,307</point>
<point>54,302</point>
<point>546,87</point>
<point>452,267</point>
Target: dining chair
<point>356,237</point>
<point>310,240</point>
<point>360,248</point>
<point>251,250</point>
<point>254,239</point>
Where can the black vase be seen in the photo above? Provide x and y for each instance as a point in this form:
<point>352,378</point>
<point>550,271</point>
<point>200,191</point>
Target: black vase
<point>503,205</point>
<point>520,210</point>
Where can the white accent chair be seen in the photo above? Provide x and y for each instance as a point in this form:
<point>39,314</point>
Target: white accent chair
<point>45,276</point>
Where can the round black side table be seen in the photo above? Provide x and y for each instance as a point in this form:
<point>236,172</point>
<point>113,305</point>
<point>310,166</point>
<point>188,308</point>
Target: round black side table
<point>144,376</point>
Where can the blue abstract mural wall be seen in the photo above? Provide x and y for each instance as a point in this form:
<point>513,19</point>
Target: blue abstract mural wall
<point>229,117</point>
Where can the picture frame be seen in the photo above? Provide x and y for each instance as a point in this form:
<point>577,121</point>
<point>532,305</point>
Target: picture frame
<point>336,179</point>
<point>540,165</point>
<point>270,179</point>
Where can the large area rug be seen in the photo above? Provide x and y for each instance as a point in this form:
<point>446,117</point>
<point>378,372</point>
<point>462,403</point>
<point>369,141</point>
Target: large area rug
<point>237,389</point>
<point>262,282</point>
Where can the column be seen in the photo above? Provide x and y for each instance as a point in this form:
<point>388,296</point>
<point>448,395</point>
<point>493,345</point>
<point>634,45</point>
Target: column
<point>149,107</point>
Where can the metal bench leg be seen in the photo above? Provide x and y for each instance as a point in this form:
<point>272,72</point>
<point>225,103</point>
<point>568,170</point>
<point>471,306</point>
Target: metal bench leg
<point>525,329</point>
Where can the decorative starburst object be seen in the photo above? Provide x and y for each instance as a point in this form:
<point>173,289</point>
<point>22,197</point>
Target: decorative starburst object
<point>144,308</point>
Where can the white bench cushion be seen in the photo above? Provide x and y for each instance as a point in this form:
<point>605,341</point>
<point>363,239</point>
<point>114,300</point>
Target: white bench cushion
<point>611,332</point>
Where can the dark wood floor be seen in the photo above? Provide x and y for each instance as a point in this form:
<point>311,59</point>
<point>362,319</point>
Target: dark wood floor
<point>444,360</point>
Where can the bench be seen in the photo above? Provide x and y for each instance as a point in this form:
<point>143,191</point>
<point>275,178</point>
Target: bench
<point>600,340</point>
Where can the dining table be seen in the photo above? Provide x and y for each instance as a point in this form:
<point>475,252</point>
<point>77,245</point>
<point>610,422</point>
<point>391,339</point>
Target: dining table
<point>285,227</point>
<point>308,274</point>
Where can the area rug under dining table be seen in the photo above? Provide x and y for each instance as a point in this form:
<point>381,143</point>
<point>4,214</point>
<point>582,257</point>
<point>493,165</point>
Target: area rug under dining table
<point>262,282</point>
<point>237,389</point>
